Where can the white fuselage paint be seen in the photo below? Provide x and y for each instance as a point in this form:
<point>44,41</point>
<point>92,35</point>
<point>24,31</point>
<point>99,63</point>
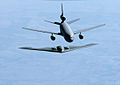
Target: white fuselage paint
<point>66,32</point>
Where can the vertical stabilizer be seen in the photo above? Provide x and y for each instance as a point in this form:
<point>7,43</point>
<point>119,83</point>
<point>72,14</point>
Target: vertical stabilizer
<point>62,14</point>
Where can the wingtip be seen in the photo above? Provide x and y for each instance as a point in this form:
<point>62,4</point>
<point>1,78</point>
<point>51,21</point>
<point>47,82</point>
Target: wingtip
<point>104,24</point>
<point>92,44</point>
<point>78,18</point>
<point>25,47</point>
<point>95,43</point>
<point>23,27</point>
<point>45,20</point>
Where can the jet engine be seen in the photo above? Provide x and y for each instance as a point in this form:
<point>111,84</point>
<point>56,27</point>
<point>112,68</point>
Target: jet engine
<point>52,37</point>
<point>60,48</point>
<point>81,36</point>
<point>62,18</point>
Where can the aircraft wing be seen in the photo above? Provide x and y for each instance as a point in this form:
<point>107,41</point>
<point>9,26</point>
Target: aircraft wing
<point>79,47</point>
<point>41,31</point>
<point>72,21</point>
<point>62,50</point>
<point>49,49</point>
<point>87,29</point>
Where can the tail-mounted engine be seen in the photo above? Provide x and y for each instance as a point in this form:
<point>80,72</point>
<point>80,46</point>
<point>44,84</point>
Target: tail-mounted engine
<point>62,18</point>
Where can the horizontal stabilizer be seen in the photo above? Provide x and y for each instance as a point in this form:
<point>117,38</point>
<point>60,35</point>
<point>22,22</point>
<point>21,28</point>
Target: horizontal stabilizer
<point>72,21</point>
<point>52,22</point>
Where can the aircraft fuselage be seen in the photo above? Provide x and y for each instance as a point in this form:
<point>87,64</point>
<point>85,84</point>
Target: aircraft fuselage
<point>66,32</point>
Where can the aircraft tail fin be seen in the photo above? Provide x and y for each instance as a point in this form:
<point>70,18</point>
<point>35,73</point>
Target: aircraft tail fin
<point>62,17</point>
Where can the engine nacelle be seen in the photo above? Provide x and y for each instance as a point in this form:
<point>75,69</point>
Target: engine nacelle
<point>62,18</point>
<point>60,48</point>
<point>81,36</point>
<point>52,38</point>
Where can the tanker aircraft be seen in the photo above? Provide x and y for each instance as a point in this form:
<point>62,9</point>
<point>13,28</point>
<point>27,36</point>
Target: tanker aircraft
<point>65,29</point>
